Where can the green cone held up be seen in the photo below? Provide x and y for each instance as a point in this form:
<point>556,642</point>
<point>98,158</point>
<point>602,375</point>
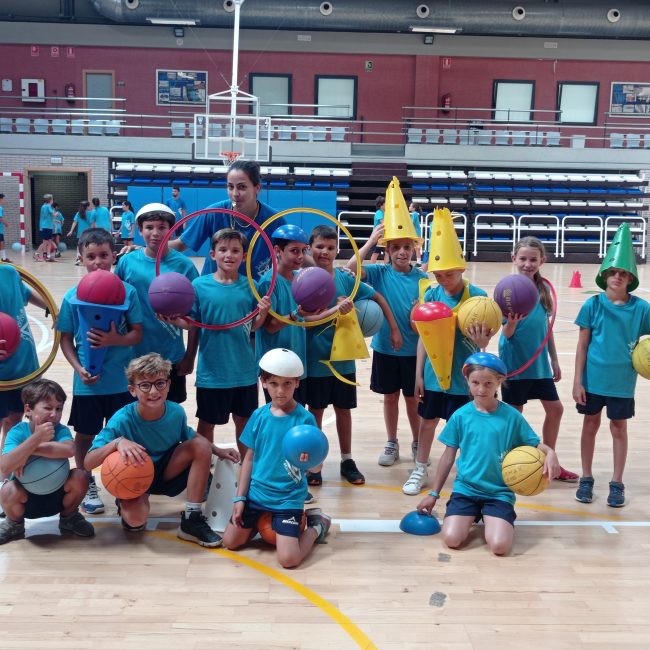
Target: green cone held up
<point>620,255</point>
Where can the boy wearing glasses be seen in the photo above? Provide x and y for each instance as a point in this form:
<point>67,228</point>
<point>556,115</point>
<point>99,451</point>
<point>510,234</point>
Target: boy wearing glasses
<point>156,427</point>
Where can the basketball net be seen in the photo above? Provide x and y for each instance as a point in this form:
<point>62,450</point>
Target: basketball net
<point>229,157</point>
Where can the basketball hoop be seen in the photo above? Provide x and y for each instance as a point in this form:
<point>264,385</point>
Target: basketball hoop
<point>229,157</point>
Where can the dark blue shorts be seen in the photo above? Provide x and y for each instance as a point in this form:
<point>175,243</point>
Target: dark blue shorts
<point>284,522</point>
<point>89,412</point>
<point>618,408</point>
<point>44,505</point>
<point>460,504</point>
<point>10,402</point>
<point>46,233</point>
<point>170,487</point>
<point>392,373</point>
<point>519,391</point>
<point>300,394</point>
<point>2,237</point>
<point>440,405</point>
<point>323,391</point>
<point>214,405</point>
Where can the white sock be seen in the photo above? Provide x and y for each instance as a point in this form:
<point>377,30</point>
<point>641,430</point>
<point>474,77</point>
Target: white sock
<point>420,465</point>
<point>346,456</point>
<point>318,528</point>
<point>191,507</point>
<point>4,254</point>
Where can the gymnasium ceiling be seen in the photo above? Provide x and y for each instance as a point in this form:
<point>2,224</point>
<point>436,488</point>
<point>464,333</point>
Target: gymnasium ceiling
<point>602,19</point>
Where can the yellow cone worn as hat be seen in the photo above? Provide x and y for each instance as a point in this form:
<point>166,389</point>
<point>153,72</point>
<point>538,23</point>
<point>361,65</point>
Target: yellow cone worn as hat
<point>348,343</point>
<point>620,255</point>
<point>398,223</point>
<point>445,252</point>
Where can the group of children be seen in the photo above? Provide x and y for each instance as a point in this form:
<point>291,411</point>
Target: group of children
<point>139,412</point>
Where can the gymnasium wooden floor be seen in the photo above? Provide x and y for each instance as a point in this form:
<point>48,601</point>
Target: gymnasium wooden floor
<point>577,576</point>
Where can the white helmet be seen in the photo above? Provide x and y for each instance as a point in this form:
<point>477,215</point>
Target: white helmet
<point>282,362</point>
<point>152,208</point>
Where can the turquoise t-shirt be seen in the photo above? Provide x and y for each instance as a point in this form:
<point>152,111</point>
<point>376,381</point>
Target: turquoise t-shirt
<point>58,223</point>
<point>177,205</point>
<point>378,218</point>
<point>112,379</point>
<point>402,291</point>
<point>484,439</point>
<point>46,221</point>
<point>13,298</point>
<point>102,218</point>
<point>615,331</point>
<point>321,337</point>
<point>21,432</point>
<point>291,337</point>
<point>463,346</point>
<point>226,357</point>
<point>156,436</point>
<point>128,219</point>
<point>415,217</point>
<point>528,336</point>
<point>2,226</point>
<point>139,270</point>
<point>275,484</point>
<point>82,222</point>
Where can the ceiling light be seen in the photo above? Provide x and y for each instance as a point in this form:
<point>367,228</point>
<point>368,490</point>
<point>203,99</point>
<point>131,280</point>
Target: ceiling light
<point>435,30</point>
<point>173,21</point>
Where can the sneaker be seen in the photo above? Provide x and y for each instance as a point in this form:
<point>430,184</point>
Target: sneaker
<point>585,491</point>
<point>92,504</point>
<point>195,529</point>
<point>10,530</point>
<point>390,453</point>
<point>316,517</point>
<point>351,473</point>
<point>132,529</point>
<point>417,480</point>
<point>57,254</point>
<point>75,523</point>
<point>616,498</point>
<point>567,476</point>
<point>310,498</point>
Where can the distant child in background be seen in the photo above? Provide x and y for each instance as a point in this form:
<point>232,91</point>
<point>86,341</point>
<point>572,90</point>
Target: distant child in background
<point>484,431</point>
<point>101,216</point>
<point>178,207</point>
<point>45,436</point>
<point>138,268</point>
<point>611,324</point>
<point>380,206</point>
<point>415,210</point>
<point>3,224</point>
<point>57,230</point>
<point>80,223</point>
<point>46,225</point>
<point>520,337</point>
<point>268,482</point>
<point>97,397</point>
<point>127,227</point>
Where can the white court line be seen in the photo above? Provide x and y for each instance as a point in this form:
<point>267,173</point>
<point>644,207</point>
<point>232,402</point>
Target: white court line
<point>45,341</point>
<point>329,420</point>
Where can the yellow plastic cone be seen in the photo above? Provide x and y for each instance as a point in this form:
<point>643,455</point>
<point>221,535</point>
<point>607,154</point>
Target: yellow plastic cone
<point>438,337</point>
<point>348,343</point>
<point>445,251</point>
<point>398,223</point>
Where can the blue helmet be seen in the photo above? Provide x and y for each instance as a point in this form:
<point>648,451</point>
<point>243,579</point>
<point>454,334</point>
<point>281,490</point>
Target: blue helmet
<point>487,360</point>
<point>289,232</point>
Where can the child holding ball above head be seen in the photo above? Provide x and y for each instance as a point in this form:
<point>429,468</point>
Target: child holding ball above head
<point>484,431</point>
<point>43,436</point>
<point>95,398</point>
<point>157,427</point>
<point>610,326</point>
<point>520,337</point>
<point>268,482</point>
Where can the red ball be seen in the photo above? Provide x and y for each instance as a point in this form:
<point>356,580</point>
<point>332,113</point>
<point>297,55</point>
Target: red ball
<point>313,288</point>
<point>171,294</point>
<point>126,481</point>
<point>516,294</point>
<point>9,333</point>
<point>265,527</point>
<point>101,288</point>
<point>427,311</point>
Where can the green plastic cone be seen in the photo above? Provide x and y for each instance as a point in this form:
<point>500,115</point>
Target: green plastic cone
<point>620,255</point>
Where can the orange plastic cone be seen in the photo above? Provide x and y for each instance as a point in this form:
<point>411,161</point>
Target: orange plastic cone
<point>576,281</point>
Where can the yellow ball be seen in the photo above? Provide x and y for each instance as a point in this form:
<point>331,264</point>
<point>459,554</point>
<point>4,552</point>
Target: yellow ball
<point>641,358</point>
<point>522,470</point>
<point>477,310</point>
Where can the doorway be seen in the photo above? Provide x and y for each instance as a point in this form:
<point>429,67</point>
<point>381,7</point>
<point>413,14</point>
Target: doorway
<point>99,87</point>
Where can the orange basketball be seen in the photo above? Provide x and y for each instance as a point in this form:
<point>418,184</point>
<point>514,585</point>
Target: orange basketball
<point>265,528</point>
<point>126,481</point>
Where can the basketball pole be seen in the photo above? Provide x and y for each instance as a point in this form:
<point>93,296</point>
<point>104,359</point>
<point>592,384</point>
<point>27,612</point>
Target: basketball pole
<point>234,87</point>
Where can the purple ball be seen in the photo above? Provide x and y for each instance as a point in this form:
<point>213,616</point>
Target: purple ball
<point>171,294</point>
<point>516,294</point>
<point>313,288</point>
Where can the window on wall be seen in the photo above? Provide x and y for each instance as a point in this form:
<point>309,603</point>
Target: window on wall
<point>577,102</point>
<point>336,97</point>
<point>513,101</point>
<point>273,92</point>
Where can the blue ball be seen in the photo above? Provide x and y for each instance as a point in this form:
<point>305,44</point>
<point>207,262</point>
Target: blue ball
<point>44,475</point>
<point>419,523</point>
<point>16,247</point>
<point>63,247</point>
<point>305,439</point>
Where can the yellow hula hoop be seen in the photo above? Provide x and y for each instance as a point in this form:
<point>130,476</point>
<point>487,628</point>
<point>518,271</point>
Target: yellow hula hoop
<point>36,284</point>
<point>355,249</point>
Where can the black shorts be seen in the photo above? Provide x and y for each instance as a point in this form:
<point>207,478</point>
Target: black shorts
<point>170,487</point>
<point>89,412</point>
<point>214,405</point>
<point>284,522</point>
<point>2,237</point>
<point>177,386</point>
<point>392,373</point>
<point>323,391</point>
<point>618,408</point>
<point>10,402</point>
<point>440,405</point>
<point>460,504</point>
<point>518,391</point>
<point>46,234</point>
<point>300,394</point>
<point>44,505</point>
